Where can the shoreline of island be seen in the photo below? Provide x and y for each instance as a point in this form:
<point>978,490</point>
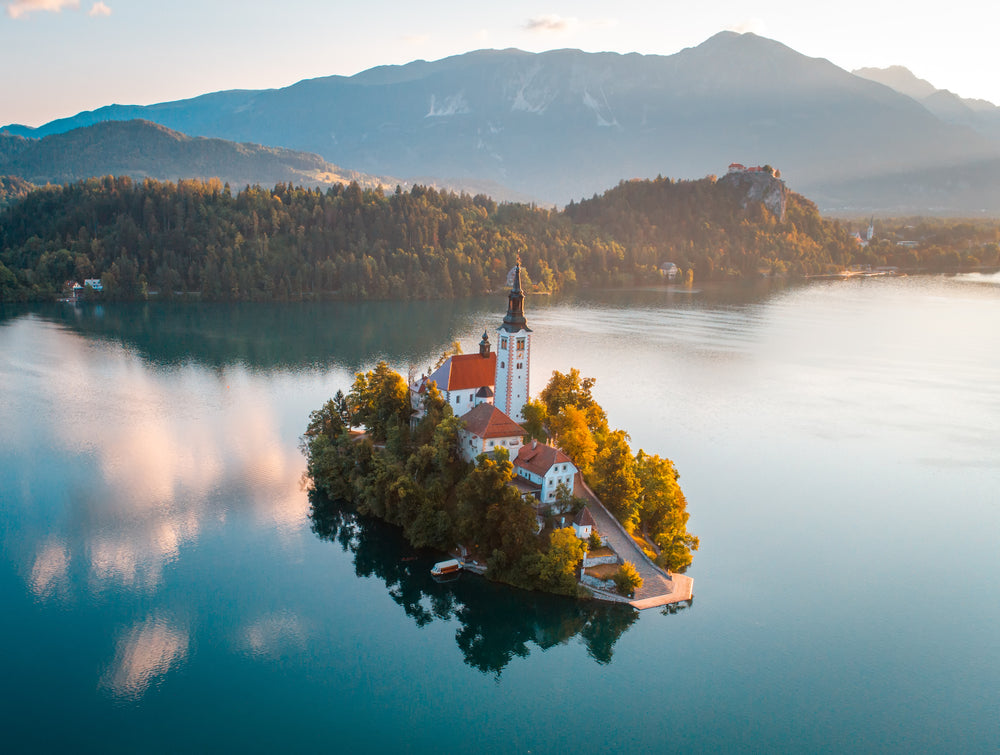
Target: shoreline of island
<point>466,462</point>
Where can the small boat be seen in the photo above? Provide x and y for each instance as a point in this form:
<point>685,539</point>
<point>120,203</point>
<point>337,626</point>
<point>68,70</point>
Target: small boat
<point>446,568</point>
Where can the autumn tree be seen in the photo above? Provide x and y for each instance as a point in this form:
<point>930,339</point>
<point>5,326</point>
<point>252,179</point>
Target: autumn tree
<point>627,579</point>
<point>615,480</point>
<point>663,511</point>
<point>573,435</point>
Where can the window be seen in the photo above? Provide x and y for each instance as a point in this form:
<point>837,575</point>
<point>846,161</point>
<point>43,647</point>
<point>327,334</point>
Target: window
<point>503,343</point>
<point>458,399</point>
<point>502,365</point>
<point>520,365</point>
<point>491,444</point>
<point>520,344</point>
<point>472,397</point>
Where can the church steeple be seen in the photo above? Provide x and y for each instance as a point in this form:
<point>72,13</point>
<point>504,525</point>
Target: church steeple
<point>484,346</point>
<point>514,320</point>
<point>513,369</point>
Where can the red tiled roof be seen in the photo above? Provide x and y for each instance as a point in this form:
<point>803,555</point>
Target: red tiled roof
<point>540,458</point>
<point>585,517</point>
<point>465,371</point>
<point>487,421</point>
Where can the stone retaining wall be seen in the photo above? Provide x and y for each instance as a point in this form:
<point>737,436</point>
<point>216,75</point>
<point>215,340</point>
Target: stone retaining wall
<point>599,560</point>
<point>603,584</point>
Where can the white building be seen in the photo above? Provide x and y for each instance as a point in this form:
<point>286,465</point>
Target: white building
<point>513,355</point>
<point>465,381</point>
<point>669,270</point>
<point>487,429</point>
<point>584,524</point>
<point>546,467</point>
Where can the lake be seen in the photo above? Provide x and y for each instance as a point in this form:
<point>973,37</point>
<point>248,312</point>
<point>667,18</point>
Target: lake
<point>168,585</point>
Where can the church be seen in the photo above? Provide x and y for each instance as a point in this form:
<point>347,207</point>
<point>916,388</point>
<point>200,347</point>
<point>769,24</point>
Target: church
<point>500,378</point>
<point>488,390</point>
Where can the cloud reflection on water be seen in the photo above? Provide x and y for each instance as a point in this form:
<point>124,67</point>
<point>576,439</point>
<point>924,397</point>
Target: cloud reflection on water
<point>50,572</point>
<point>165,441</point>
<point>139,463</point>
<point>144,654</point>
<point>274,635</point>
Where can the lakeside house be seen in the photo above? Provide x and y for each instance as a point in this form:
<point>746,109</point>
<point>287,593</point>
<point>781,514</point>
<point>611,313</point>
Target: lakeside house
<point>487,429</point>
<point>545,467</point>
<point>669,271</point>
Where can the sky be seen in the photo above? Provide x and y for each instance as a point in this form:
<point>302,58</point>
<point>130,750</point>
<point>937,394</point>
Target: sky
<point>65,56</point>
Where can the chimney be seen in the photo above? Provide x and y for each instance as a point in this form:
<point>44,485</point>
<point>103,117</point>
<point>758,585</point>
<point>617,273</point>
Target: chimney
<point>534,443</point>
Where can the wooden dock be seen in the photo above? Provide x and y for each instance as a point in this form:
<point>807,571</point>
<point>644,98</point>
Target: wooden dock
<point>682,591</point>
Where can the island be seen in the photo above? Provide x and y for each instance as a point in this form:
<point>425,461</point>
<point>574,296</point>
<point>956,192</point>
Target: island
<point>536,493</point>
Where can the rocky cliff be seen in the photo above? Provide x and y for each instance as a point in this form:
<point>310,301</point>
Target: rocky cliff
<point>760,186</point>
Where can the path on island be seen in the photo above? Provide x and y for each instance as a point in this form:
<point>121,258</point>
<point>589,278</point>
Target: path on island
<point>657,589</point>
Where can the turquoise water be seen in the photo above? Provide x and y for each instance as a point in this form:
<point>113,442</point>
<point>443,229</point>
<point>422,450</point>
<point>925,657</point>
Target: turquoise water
<point>168,584</point>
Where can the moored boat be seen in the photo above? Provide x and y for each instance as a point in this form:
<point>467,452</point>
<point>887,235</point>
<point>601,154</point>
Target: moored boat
<point>444,568</point>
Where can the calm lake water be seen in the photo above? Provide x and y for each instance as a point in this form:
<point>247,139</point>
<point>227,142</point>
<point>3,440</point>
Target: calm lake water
<point>167,586</point>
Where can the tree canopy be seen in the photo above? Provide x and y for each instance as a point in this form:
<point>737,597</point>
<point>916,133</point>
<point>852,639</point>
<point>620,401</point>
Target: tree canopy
<point>286,242</point>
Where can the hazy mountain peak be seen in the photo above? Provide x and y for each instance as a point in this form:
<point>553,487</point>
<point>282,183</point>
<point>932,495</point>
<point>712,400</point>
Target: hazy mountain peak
<point>900,78</point>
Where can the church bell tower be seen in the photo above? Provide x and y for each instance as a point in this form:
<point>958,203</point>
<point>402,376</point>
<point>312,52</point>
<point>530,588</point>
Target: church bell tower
<point>513,354</point>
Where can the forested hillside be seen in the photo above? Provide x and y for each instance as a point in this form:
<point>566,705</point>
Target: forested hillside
<point>13,188</point>
<point>199,238</point>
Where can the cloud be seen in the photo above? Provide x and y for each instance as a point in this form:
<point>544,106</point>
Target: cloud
<point>19,8</point>
<point>415,39</point>
<point>754,25</point>
<point>549,23</point>
<point>99,9</point>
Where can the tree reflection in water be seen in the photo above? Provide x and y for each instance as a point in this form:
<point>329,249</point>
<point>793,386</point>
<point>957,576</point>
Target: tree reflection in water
<point>496,622</point>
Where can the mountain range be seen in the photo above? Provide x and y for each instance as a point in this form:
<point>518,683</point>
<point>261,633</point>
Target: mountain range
<point>981,115</point>
<point>142,149</point>
<point>564,124</point>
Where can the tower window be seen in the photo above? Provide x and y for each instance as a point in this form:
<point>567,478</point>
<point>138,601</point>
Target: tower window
<point>503,343</point>
<point>502,365</point>
<point>520,365</point>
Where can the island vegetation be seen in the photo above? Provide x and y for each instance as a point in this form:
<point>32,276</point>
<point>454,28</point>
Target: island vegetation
<point>201,239</point>
<point>416,479</point>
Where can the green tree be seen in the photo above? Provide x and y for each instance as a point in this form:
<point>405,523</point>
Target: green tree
<point>326,421</point>
<point>559,561</point>
<point>379,399</point>
<point>627,579</point>
<point>536,417</point>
